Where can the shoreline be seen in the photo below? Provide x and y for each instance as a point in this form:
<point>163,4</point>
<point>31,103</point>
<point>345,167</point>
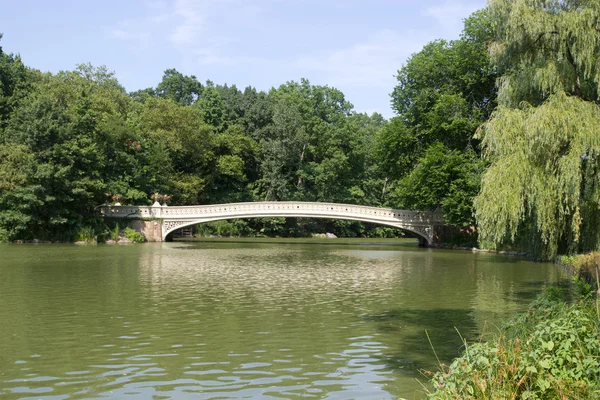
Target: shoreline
<point>124,240</point>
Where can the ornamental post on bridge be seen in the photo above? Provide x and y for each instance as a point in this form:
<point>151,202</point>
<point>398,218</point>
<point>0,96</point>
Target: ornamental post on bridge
<point>104,209</point>
<point>156,210</point>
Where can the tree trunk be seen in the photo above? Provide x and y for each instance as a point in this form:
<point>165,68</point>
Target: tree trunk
<point>301,160</point>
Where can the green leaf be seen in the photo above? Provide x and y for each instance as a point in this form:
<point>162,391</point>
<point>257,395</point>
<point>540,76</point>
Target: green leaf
<point>532,369</point>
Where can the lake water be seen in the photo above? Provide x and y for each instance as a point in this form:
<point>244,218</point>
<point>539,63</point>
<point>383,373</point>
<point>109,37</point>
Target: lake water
<point>259,318</point>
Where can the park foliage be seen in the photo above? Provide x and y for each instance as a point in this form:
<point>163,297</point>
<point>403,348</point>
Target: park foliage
<point>549,352</point>
<point>71,141</point>
<point>499,128</point>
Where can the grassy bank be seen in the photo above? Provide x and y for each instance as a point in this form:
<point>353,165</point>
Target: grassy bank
<point>552,351</point>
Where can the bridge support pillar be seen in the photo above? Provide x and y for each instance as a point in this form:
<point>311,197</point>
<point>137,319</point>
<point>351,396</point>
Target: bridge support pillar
<point>152,230</point>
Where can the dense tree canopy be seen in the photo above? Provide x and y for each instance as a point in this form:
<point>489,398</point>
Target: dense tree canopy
<point>544,138</point>
<point>447,89</point>
<point>70,141</point>
<point>446,179</point>
<point>428,152</point>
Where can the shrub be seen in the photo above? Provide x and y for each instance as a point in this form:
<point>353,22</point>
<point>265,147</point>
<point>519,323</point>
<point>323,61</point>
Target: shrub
<point>234,228</point>
<point>550,352</point>
<point>86,234</point>
<point>134,236</point>
<point>115,233</point>
<point>585,269</point>
<point>583,266</point>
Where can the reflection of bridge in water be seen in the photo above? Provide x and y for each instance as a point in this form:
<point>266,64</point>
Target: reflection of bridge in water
<point>159,221</point>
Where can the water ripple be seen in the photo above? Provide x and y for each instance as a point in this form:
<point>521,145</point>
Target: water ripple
<point>203,321</point>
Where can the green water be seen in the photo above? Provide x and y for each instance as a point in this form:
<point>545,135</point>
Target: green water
<point>245,319</point>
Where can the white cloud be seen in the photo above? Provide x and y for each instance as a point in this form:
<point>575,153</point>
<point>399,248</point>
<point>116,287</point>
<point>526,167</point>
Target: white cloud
<point>190,16</point>
<point>370,63</point>
<point>239,40</point>
<point>451,13</point>
<point>193,27</point>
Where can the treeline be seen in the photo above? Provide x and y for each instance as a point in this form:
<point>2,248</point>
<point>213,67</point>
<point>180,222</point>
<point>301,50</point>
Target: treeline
<point>72,140</point>
<point>499,128</point>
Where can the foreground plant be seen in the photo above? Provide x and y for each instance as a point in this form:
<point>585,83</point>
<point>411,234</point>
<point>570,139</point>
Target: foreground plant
<point>550,352</point>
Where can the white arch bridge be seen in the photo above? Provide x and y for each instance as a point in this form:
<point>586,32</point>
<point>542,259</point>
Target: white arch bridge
<point>159,221</point>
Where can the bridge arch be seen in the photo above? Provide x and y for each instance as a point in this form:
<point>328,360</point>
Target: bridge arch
<point>418,233</point>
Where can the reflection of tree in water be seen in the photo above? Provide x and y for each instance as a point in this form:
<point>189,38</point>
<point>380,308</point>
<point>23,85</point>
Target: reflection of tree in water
<point>529,291</point>
<point>321,301</point>
<point>323,317</point>
<point>446,328</point>
<point>412,351</point>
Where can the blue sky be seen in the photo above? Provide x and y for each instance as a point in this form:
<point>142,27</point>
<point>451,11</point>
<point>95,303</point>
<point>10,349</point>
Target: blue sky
<point>355,46</point>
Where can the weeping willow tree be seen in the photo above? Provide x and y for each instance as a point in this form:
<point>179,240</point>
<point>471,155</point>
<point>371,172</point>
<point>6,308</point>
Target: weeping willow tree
<point>543,140</point>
